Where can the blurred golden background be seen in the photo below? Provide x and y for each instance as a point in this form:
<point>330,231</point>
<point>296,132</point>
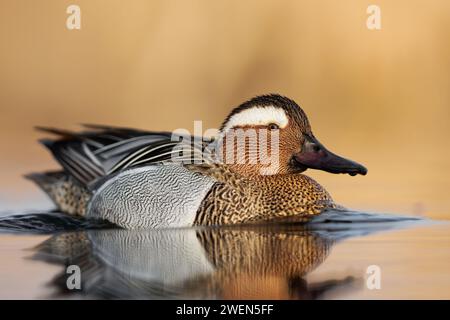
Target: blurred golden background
<point>380,97</point>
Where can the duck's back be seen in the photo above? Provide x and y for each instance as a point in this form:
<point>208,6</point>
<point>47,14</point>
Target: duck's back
<point>153,196</point>
<point>122,175</point>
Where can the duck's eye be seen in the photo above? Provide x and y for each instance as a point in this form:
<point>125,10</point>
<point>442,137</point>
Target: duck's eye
<point>273,126</point>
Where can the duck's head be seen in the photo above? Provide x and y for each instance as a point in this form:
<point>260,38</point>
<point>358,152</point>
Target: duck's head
<point>298,149</point>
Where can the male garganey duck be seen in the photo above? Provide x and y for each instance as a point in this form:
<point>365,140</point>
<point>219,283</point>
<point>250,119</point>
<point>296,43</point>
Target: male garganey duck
<point>141,179</point>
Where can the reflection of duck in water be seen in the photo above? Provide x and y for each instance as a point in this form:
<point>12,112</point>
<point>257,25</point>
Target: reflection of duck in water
<point>259,261</point>
<point>254,262</point>
<point>131,177</point>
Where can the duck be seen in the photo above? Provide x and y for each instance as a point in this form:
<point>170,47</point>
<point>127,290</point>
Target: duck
<point>251,171</point>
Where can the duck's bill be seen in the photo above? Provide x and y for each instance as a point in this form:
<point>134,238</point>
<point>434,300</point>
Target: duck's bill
<point>315,156</point>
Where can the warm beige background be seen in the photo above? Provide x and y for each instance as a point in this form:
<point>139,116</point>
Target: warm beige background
<point>378,97</point>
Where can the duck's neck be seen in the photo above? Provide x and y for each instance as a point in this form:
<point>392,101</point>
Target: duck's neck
<point>250,153</point>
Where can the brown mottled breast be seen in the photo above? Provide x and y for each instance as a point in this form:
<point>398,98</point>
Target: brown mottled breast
<point>263,198</point>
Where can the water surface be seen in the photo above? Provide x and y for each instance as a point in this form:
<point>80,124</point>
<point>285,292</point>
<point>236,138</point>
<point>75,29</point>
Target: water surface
<point>326,259</point>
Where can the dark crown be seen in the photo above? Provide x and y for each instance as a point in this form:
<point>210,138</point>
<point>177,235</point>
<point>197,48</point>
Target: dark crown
<point>291,108</point>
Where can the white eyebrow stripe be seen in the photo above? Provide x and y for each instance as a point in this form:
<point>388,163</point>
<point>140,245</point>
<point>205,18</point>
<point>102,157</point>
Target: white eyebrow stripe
<point>258,116</point>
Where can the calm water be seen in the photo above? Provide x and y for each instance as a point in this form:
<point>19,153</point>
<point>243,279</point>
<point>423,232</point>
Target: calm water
<point>327,259</point>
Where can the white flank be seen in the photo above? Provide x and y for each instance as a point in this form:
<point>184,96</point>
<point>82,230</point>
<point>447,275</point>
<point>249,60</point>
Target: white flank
<point>258,116</point>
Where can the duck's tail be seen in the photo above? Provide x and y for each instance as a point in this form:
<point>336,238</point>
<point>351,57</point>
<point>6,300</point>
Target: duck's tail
<point>65,192</point>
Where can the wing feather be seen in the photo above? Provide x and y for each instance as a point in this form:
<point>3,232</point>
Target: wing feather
<point>103,150</point>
